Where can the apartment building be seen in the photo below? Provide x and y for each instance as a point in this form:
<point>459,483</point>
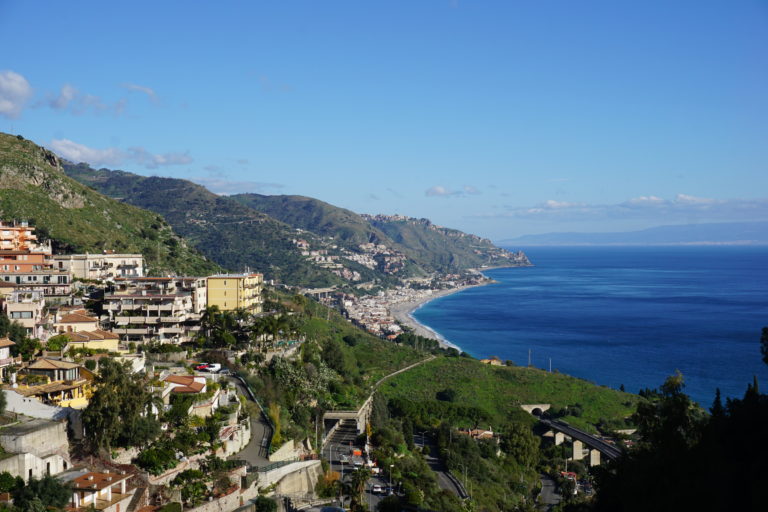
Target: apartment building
<point>28,264</point>
<point>107,266</point>
<point>164,309</point>
<point>236,291</point>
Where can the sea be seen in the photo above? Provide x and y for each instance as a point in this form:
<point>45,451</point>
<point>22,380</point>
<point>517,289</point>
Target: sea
<point>621,316</point>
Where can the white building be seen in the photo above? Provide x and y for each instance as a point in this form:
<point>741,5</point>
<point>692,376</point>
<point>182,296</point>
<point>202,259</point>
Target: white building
<point>102,267</point>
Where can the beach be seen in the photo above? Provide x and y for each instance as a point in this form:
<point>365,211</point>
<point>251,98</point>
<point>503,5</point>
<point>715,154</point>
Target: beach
<point>402,312</point>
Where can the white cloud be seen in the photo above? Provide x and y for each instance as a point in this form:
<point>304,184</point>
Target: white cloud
<point>152,161</point>
<point>224,186</point>
<point>64,98</point>
<point>151,94</point>
<point>441,191</point>
<point>79,153</point>
<point>437,191</point>
<point>682,207</point>
<point>14,93</point>
<point>686,199</point>
<point>114,156</point>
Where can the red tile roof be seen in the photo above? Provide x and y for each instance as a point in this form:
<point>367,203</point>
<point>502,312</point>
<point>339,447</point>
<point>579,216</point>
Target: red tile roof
<point>186,384</point>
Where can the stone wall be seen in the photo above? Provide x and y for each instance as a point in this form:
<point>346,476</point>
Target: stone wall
<point>288,451</point>
<point>39,437</point>
<point>25,465</point>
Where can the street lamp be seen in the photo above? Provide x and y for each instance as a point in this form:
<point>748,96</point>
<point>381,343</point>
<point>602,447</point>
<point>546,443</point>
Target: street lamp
<point>422,438</point>
<point>390,477</point>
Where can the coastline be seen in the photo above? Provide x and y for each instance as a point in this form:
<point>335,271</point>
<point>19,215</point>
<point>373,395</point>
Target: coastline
<point>403,313</point>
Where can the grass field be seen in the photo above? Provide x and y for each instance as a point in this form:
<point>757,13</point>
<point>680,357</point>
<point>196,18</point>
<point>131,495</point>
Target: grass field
<point>500,390</point>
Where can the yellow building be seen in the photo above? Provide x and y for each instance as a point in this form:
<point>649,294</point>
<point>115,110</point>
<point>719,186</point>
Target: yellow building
<point>236,291</point>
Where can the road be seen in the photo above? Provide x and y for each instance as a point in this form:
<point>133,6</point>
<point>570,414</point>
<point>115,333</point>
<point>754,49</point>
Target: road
<point>609,450</point>
<point>548,497</point>
<point>255,453</point>
<point>444,481</point>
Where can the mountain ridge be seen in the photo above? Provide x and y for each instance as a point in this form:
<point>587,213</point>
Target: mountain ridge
<point>34,187</point>
<point>713,233</point>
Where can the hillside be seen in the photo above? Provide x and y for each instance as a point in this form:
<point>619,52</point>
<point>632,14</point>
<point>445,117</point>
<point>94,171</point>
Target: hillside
<point>498,391</point>
<point>431,248</point>
<point>233,235</point>
<point>443,249</point>
<point>294,239</point>
<point>33,187</point>
<point>316,216</point>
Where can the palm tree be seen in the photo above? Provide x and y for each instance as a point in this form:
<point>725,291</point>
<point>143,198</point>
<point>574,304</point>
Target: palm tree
<point>358,480</point>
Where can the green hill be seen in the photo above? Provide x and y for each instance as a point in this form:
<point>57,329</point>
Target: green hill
<point>443,249</point>
<point>33,187</point>
<point>430,248</point>
<point>498,391</point>
<point>233,235</point>
<point>316,216</point>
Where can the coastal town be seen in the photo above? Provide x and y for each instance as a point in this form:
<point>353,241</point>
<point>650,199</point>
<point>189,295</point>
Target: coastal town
<point>77,318</point>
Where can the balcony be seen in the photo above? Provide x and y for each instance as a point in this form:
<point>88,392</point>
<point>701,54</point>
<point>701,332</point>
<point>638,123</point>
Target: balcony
<point>170,330</point>
<point>7,361</point>
<point>171,319</point>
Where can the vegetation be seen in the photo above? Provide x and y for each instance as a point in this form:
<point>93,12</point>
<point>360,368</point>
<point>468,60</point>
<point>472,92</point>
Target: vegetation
<point>38,495</point>
<point>25,346</point>
<point>234,236</point>
<point>257,232</point>
<point>33,187</point>
<point>472,394</point>
<point>689,460</point>
<point>120,413</point>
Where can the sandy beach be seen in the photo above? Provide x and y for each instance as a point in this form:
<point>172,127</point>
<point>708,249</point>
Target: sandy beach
<point>402,312</point>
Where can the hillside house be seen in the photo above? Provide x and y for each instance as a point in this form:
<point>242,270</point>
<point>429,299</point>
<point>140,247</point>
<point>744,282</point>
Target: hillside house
<point>63,383</point>
<point>102,491</point>
<point>35,448</point>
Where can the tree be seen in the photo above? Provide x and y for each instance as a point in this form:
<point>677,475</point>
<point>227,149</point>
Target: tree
<point>38,495</point>
<point>56,343</point>
<point>120,411</point>
<point>764,344</point>
<point>520,443</point>
<point>358,479</point>
<point>264,504</point>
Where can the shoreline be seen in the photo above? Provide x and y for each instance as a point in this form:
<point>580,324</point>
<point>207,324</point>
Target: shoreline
<point>403,313</point>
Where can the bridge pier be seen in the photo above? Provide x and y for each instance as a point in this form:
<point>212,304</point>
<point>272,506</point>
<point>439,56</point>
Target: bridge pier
<point>594,458</point>
<point>559,438</point>
<point>578,450</point>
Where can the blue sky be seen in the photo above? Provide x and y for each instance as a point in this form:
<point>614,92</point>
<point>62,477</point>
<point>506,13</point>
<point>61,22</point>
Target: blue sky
<point>501,118</point>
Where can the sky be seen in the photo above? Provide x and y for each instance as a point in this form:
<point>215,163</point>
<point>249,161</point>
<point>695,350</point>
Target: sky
<point>501,118</point>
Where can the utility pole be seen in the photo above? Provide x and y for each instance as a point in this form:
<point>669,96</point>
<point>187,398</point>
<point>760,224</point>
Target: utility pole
<point>550,365</point>
<point>529,358</point>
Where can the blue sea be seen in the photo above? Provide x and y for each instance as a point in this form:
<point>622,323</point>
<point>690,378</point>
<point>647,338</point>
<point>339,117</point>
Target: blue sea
<point>621,315</point>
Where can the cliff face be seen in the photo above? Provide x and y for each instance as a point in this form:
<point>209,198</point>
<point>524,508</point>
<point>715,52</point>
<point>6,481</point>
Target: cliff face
<point>34,187</point>
<point>24,164</point>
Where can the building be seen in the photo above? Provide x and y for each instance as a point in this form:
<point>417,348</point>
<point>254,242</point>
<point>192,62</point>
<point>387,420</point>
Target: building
<point>92,490</point>
<point>163,309</point>
<point>28,264</point>
<point>28,309</point>
<point>75,321</point>
<point>55,382</point>
<point>236,291</point>
<point>204,403</point>
<point>102,267</point>
<point>93,340</point>
<point>35,448</point>
<point>5,356</point>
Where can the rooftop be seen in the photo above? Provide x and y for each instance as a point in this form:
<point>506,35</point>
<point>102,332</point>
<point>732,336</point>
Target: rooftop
<point>28,427</point>
<point>45,363</point>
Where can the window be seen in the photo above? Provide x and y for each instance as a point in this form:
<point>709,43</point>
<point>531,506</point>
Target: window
<point>21,314</point>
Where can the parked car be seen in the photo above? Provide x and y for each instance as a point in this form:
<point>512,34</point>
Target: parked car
<point>377,489</point>
<point>202,367</point>
<point>213,368</point>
